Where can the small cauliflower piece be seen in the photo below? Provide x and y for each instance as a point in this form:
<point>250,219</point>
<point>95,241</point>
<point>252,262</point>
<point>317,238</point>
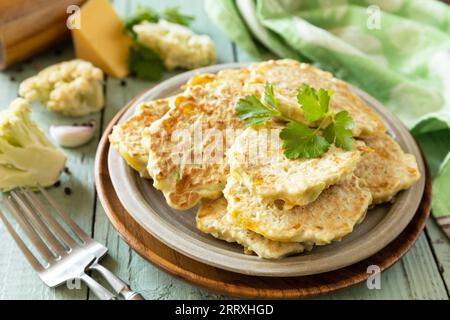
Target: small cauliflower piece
<point>73,88</point>
<point>27,157</point>
<point>177,46</point>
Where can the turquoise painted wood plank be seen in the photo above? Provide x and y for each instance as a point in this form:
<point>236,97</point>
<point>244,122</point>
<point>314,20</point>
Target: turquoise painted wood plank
<point>440,245</point>
<point>143,277</point>
<point>22,282</point>
<point>416,276</point>
<point>423,273</point>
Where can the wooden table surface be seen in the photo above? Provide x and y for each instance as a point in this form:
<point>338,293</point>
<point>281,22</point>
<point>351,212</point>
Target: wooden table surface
<point>424,273</point>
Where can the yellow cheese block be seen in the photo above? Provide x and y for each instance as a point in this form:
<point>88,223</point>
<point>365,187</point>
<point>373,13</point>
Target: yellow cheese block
<point>101,39</point>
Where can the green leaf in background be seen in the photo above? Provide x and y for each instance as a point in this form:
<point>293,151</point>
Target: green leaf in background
<point>142,13</point>
<point>441,186</point>
<point>146,13</point>
<point>144,63</point>
<point>299,141</point>
<point>173,14</point>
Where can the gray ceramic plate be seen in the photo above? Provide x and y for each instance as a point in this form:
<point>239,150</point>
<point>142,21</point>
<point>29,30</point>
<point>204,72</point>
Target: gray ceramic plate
<point>177,228</point>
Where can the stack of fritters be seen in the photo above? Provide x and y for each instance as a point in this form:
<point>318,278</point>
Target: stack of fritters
<point>196,150</point>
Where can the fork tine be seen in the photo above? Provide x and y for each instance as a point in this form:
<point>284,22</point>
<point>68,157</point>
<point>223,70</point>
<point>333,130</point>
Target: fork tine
<point>31,234</point>
<point>37,222</point>
<point>22,246</point>
<point>65,216</point>
<point>57,228</point>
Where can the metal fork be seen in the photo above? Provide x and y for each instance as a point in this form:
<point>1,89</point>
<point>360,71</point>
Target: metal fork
<point>66,258</point>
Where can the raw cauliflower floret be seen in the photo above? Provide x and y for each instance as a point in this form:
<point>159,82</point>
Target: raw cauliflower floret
<point>177,46</point>
<point>27,157</point>
<point>73,88</point>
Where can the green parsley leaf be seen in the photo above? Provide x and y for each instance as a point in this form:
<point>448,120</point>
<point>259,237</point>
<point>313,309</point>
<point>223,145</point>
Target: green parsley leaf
<point>142,14</point>
<point>329,133</point>
<point>173,14</point>
<point>300,141</point>
<point>144,63</point>
<point>343,125</point>
<point>313,103</point>
<point>269,96</point>
<point>339,131</point>
<point>253,111</point>
<point>324,98</point>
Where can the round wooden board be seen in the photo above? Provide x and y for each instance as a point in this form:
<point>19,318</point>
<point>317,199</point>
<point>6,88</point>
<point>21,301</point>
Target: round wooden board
<point>235,284</point>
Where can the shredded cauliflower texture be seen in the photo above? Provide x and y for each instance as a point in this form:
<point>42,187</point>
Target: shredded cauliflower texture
<point>73,88</point>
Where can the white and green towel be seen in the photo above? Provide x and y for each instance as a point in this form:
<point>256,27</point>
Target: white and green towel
<point>396,50</point>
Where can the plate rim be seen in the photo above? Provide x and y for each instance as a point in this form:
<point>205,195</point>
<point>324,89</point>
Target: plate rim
<point>196,248</point>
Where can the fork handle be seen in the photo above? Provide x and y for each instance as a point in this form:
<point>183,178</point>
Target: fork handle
<point>101,292</point>
<point>116,283</point>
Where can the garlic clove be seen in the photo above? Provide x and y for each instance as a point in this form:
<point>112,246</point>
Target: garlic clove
<point>73,136</point>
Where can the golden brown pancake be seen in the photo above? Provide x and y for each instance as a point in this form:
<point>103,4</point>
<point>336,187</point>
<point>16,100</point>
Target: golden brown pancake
<point>185,173</point>
<point>257,160</point>
<point>332,216</point>
<point>287,76</point>
<point>126,138</point>
<point>211,219</point>
<point>387,169</point>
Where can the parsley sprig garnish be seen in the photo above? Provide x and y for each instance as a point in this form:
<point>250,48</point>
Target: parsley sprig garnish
<point>145,13</point>
<point>300,140</point>
<point>173,14</point>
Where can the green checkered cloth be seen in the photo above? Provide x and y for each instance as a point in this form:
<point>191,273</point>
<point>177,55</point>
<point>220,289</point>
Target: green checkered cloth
<point>396,50</point>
